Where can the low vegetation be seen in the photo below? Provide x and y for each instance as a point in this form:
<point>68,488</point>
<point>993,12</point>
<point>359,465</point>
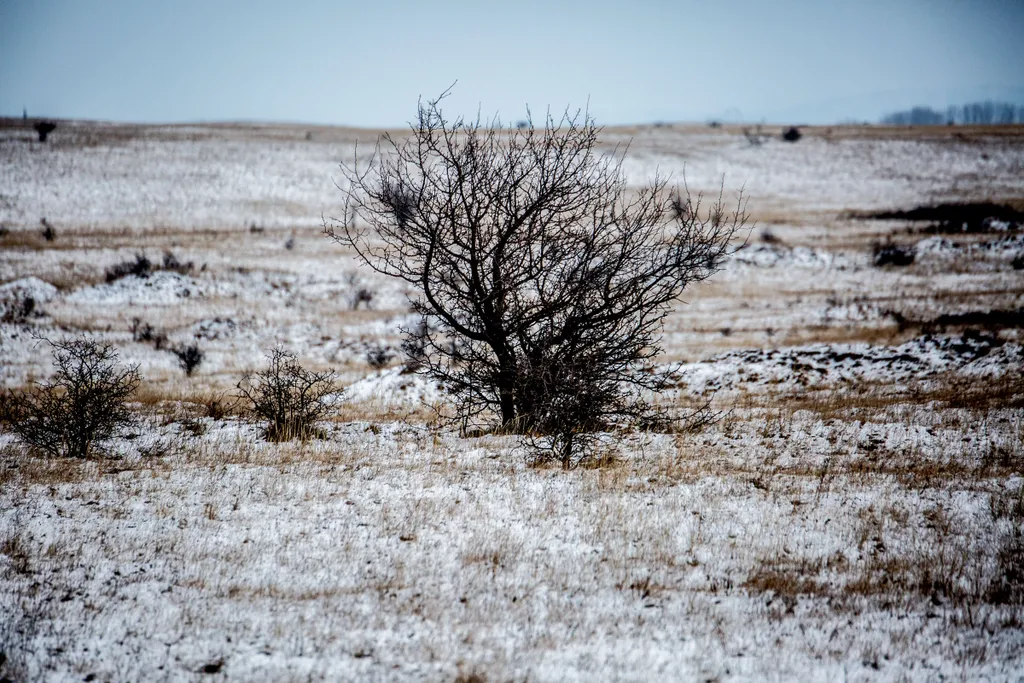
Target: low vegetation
<point>289,398</point>
<point>82,406</point>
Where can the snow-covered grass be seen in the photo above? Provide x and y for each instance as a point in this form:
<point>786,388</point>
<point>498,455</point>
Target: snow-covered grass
<point>775,544</point>
<point>856,512</point>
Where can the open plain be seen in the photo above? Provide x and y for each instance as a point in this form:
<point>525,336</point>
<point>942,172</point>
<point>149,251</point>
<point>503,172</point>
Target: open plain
<point>855,512</point>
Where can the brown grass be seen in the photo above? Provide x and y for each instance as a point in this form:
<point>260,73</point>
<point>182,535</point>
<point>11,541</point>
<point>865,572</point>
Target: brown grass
<point>18,468</point>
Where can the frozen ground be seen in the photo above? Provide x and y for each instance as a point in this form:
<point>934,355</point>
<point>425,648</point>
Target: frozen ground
<point>855,514</point>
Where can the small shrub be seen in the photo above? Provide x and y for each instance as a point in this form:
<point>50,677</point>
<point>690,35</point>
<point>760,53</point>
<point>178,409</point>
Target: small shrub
<point>570,448</point>
<point>287,396</point>
<point>172,263</point>
<point>49,234</point>
<point>189,358</point>
<point>144,332</point>
<point>378,356</point>
<point>792,134</point>
<point>19,310</point>
<point>81,406</point>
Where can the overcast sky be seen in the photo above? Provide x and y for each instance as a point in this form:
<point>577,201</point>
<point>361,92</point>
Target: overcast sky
<point>365,63</point>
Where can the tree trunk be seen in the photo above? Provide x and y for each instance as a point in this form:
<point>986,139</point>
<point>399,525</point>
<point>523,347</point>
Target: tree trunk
<point>508,406</point>
<point>506,390</point>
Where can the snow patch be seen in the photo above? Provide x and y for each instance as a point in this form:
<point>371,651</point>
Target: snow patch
<point>824,364</point>
<point>395,386</point>
<point>161,288</point>
<point>20,298</point>
<point>770,255</point>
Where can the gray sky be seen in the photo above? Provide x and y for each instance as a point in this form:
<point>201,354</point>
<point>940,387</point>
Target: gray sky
<point>366,63</point>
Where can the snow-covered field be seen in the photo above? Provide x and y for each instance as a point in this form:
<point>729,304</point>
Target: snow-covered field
<point>856,513</point>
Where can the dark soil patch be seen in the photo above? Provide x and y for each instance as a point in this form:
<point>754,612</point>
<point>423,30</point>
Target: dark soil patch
<point>986,320</point>
<point>956,218</point>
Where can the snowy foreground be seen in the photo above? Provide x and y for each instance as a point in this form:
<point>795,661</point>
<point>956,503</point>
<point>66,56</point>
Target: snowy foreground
<point>855,513</point>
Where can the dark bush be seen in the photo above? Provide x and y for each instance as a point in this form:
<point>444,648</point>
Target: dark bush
<point>792,134</point>
<point>140,267</point>
<point>49,234</point>
<point>890,254</point>
<point>288,397</point>
<point>378,356</point>
<point>144,332</point>
<point>18,310</point>
<point>951,218</point>
<point>44,128</point>
<point>171,262</point>
<point>189,357</point>
<point>84,404</point>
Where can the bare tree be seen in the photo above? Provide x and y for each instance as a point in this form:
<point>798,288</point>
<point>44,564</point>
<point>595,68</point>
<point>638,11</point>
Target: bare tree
<point>542,280</point>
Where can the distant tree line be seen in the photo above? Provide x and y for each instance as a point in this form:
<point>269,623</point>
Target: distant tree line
<point>988,112</point>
